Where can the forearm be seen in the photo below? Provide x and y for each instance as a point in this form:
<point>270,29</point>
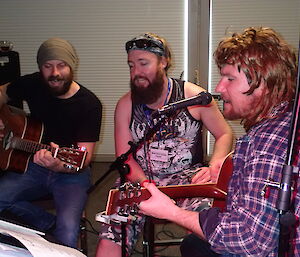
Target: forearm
<point>222,146</point>
<point>161,206</point>
<point>187,219</point>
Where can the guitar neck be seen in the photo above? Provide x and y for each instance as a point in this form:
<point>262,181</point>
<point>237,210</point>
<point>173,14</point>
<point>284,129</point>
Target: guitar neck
<point>29,146</point>
<point>129,196</point>
<point>134,195</point>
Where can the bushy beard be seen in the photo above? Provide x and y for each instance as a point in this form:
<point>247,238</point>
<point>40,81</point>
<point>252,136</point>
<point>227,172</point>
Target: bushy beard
<point>149,94</point>
<point>58,91</point>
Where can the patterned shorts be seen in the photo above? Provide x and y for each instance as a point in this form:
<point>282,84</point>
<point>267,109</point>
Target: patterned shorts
<point>133,230</point>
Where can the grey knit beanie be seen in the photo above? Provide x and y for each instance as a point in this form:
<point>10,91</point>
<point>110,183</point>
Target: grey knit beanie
<point>57,49</point>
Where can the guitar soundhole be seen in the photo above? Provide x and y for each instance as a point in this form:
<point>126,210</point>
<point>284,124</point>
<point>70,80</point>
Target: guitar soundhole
<point>7,140</point>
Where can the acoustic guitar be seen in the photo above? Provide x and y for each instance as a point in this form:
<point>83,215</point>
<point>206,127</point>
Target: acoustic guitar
<point>122,203</point>
<point>22,138</point>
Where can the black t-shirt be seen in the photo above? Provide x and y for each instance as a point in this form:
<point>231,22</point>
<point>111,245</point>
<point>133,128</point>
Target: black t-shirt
<point>66,121</point>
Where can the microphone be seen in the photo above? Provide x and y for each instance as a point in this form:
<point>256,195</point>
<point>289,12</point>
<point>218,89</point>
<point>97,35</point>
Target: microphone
<point>203,98</point>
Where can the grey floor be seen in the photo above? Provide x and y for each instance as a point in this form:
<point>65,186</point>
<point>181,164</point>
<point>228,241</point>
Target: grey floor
<point>97,202</point>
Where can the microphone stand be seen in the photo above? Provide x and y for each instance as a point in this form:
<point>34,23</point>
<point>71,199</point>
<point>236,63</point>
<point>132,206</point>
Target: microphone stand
<point>124,169</point>
<point>289,180</point>
<point>119,164</point>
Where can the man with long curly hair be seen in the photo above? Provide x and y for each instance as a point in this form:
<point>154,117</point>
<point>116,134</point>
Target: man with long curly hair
<point>258,77</point>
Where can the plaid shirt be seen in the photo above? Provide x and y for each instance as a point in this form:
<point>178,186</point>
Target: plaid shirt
<point>250,226</point>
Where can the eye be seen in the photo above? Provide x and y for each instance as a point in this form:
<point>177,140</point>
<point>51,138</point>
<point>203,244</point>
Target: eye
<point>143,63</point>
<point>46,66</point>
<point>62,65</point>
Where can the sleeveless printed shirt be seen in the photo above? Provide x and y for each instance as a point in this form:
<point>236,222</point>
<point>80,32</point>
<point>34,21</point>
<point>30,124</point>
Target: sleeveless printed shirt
<point>178,139</point>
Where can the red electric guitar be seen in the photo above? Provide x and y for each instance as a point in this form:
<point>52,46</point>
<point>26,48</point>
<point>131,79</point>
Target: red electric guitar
<point>22,137</point>
<point>122,203</point>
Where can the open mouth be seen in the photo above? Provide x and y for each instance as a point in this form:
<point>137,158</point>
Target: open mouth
<point>141,82</point>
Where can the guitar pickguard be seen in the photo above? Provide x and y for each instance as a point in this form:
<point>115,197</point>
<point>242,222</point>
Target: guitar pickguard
<point>6,144</point>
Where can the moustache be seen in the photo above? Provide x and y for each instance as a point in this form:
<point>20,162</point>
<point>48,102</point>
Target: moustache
<point>55,78</point>
<point>140,77</point>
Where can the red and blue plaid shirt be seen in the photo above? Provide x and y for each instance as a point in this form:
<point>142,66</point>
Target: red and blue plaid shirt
<point>250,226</point>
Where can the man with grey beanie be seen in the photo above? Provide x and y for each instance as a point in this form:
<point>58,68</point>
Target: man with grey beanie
<point>71,115</point>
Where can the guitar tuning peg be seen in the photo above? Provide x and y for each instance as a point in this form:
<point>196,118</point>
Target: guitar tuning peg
<point>123,187</point>
<point>70,167</point>
<point>135,209</point>
<point>131,186</point>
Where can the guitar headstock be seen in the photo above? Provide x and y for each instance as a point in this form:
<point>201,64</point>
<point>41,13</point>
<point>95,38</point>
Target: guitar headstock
<point>124,201</point>
<point>74,158</point>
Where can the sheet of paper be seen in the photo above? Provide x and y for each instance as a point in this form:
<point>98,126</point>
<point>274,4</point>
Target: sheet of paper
<point>36,245</point>
<point>18,228</point>
<point>9,251</point>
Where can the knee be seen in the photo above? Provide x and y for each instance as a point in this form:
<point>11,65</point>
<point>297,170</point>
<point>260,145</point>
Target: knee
<point>107,247</point>
<point>194,246</point>
<point>188,247</point>
<point>66,232</point>
<point>185,246</point>
<point>70,228</point>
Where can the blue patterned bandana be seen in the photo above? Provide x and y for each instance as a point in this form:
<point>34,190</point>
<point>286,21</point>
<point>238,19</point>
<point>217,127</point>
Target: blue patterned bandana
<point>147,43</point>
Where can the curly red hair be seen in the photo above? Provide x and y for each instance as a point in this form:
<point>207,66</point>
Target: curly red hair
<point>264,56</point>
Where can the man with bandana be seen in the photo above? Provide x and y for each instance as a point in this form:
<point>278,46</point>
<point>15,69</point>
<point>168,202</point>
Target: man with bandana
<point>173,155</point>
<point>71,115</point>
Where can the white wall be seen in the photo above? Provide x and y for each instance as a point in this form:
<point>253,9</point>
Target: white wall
<point>98,29</point>
<point>228,16</point>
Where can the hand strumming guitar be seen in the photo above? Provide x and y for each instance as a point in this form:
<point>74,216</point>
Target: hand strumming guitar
<point>208,174</point>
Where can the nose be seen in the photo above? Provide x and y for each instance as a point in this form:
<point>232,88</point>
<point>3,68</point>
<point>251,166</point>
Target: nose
<point>220,87</point>
<point>54,71</point>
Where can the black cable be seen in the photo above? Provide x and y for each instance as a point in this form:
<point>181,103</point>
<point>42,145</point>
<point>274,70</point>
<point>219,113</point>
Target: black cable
<point>94,231</point>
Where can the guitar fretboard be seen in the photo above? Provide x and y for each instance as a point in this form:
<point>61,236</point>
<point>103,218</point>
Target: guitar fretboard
<point>28,145</point>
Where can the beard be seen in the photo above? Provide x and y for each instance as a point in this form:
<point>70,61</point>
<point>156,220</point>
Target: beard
<point>149,94</point>
<point>61,90</point>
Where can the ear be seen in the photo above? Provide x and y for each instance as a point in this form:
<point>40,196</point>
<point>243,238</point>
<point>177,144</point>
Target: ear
<point>163,62</point>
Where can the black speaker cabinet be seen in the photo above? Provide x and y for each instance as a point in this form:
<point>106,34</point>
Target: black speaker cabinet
<point>9,66</point>
<point>10,71</point>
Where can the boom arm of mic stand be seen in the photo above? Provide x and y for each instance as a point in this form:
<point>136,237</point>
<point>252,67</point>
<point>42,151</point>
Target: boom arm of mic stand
<point>119,164</point>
